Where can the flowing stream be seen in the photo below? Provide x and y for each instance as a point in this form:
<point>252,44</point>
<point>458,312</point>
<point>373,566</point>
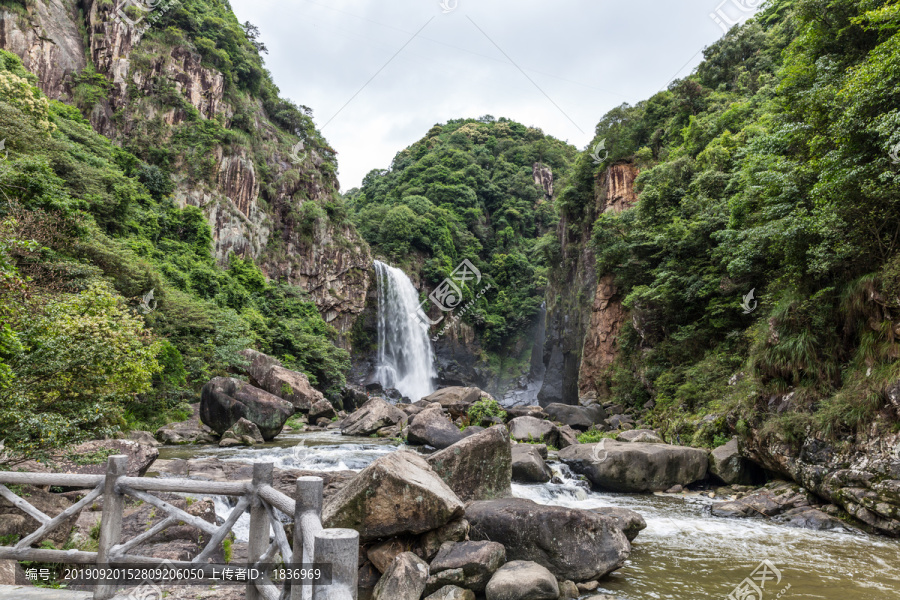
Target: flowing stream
<point>405,355</point>
<point>684,554</point>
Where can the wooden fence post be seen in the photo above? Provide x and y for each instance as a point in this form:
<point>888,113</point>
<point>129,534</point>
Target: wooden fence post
<point>308,500</point>
<point>111,519</point>
<point>259,523</point>
<point>340,547</point>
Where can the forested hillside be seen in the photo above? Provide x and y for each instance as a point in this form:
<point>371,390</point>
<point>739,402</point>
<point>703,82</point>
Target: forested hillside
<point>130,267</point>
<point>772,169</point>
<point>477,189</point>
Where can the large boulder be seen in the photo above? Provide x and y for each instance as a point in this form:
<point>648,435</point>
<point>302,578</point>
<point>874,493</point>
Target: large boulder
<point>574,544</point>
<point>578,417</point>
<point>727,465</point>
<point>321,410</point>
<point>225,400</point>
<point>522,580</point>
<point>191,431</point>
<point>465,564</point>
<point>634,466</point>
<point>372,416</point>
<point>528,466</point>
<point>404,580</point>
<point>267,373</point>
<point>448,592</point>
<point>478,467</point>
<point>397,494</point>
<point>455,400</point>
<point>630,522</point>
<point>241,433</point>
<point>432,428</point>
<point>530,429</point>
<point>525,411</point>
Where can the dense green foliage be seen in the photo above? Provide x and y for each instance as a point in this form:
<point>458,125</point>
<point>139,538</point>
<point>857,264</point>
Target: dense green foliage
<point>88,230</point>
<point>484,408</point>
<point>467,191</point>
<point>768,169</point>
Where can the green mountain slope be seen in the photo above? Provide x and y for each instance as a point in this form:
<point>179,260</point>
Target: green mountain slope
<point>769,169</point>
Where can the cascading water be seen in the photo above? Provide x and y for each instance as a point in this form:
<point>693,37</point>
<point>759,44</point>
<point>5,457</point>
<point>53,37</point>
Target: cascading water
<point>405,356</point>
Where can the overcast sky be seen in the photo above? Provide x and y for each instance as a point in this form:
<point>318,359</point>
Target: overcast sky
<point>556,65</point>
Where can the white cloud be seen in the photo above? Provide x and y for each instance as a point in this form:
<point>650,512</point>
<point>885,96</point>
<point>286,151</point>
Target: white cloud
<point>588,56</point>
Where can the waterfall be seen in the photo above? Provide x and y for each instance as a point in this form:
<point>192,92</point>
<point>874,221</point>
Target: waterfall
<point>405,356</point>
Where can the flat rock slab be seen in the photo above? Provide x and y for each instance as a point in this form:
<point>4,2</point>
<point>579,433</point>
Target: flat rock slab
<point>432,428</point>
<point>634,466</point>
<point>372,416</point>
<point>572,543</point>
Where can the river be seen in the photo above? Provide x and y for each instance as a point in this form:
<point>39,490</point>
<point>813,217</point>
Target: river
<point>685,553</point>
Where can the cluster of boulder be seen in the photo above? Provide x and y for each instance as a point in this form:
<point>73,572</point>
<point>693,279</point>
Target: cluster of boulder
<point>444,526</point>
<point>236,412</point>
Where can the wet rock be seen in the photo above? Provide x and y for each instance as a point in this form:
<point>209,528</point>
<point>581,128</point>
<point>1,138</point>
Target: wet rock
<point>728,466</point>
<point>477,560</point>
<point>267,373</point>
<point>810,518</point>
<point>241,433</point>
<point>368,576</point>
<point>478,467</point>
<point>143,437</point>
<point>432,428</point>
<point>404,579</point>
<point>574,544</point>
<point>455,400</point>
<point>568,590</point>
<point>352,397</point>
<point>383,553</point>
<point>525,411</point>
<point>530,429</point>
<point>397,494</point>
<point>630,522</point>
<point>634,466</point>
<point>452,592</point>
<point>577,417</point>
<point>528,466</point>
<point>454,531</point>
<point>675,489</point>
<point>641,436</point>
<point>372,416</point>
<point>225,400</point>
<point>587,586</point>
<point>321,410</point>
<point>567,437</point>
<point>522,580</point>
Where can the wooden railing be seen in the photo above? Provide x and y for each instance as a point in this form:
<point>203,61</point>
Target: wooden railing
<point>337,548</point>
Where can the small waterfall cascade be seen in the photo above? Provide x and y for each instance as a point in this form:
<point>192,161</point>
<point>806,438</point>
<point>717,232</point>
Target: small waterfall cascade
<point>405,355</point>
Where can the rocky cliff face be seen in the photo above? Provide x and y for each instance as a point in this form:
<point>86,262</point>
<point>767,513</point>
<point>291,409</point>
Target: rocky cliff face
<point>860,474</point>
<point>56,39</point>
<point>581,334</point>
